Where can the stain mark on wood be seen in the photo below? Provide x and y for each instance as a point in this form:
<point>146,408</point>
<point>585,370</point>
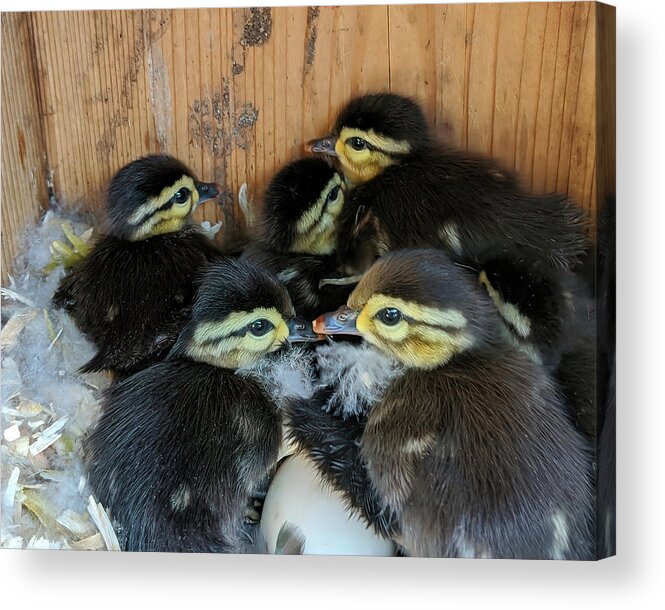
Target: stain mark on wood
<point>21,147</point>
<point>245,124</point>
<point>312,33</point>
<point>215,126</point>
<point>257,28</point>
<point>129,78</point>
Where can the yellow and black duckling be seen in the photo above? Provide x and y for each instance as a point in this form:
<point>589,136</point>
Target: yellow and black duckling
<point>183,444</point>
<point>131,295</point>
<point>299,230</point>
<point>550,315</point>
<point>467,450</point>
<point>410,191</point>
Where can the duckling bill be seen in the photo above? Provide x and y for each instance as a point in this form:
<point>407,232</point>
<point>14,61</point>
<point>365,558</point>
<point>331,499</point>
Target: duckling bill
<point>132,294</point>
<point>183,445</point>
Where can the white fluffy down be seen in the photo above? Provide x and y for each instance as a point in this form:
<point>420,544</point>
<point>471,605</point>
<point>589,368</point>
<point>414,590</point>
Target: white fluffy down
<point>358,373</point>
<point>46,405</point>
<point>285,374</point>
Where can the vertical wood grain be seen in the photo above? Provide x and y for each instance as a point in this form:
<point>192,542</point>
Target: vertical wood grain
<point>23,191</point>
<point>605,85</point>
<point>235,92</point>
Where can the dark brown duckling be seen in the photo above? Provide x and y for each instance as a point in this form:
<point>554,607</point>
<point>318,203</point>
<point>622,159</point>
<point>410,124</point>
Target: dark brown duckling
<point>466,450</point>
<point>411,191</point>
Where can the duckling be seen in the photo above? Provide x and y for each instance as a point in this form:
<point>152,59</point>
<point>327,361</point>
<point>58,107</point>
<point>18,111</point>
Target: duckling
<point>298,234</point>
<point>467,451</point>
<point>410,191</point>
<point>131,294</point>
<point>182,445</point>
<point>606,448</point>
<point>550,315</point>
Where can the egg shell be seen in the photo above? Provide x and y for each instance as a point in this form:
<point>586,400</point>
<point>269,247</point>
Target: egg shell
<point>298,496</point>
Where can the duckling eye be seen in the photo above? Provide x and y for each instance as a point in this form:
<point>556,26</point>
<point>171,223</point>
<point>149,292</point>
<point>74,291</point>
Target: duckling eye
<point>182,195</point>
<point>390,316</point>
<point>333,194</point>
<point>357,143</point>
<point>261,327</point>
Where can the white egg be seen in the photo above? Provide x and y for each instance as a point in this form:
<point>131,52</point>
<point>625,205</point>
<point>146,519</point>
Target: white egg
<point>297,496</point>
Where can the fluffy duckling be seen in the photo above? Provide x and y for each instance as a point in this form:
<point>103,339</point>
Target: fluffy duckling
<point>410,191</point>
<point>606,507</point>
<point>299,234</point>
<point>131,295</point>
<point>181,446</point>
<point>550,315</point>
<point>466,450</point>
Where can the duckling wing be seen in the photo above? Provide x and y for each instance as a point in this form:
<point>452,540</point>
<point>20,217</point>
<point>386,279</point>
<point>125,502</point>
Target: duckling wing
<point>131,299</point>
<point>333,444</point>
<point>465,205</point>
<point>176,454</point>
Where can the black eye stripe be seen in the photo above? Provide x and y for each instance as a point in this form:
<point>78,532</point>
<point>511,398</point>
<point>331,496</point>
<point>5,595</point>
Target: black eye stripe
<point>448,329</point>
<point>165,206</point>
<point>370,146</point>
<point>322,212</point>
<point>162,208</point>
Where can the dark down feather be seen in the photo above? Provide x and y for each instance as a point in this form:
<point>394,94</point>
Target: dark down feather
<point>410,202</point>
<point>131,299</point>
<point>178,451</point>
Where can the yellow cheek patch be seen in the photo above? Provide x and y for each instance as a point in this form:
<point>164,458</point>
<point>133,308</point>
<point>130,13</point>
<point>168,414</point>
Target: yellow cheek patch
<point>450,318</point>
<point>151,222</point>
<point>425,337</point>
<point>234,322</point>
<point>317,232</point>
<point>216,343</point>
<point>310,217</point>
<point>362,165</point>
<point>384,144</point>
<point>509,312</point>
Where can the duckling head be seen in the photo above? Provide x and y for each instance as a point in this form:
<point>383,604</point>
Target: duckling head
<point>240,314</point>
<point>154,195</point>
<point>301,206</point>
<point>417,306</point>
<point>373,132</point>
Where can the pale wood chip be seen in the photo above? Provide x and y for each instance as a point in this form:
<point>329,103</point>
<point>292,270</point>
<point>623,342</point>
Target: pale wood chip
<point>40,507</point>
<point>9,496</point>
<point>12,542</point>
<point>14,326</point>
<point>79,525</point>
<point>12,433</point>
<point>91,543</point>
<point>49,436</point>
<point>22,446</point>
<point>103,523</point>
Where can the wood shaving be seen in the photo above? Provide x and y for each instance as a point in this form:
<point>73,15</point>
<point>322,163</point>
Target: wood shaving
<point>47,406</point>
<point>103,523</point>
<point>13,328</point>
<point>49,436</point>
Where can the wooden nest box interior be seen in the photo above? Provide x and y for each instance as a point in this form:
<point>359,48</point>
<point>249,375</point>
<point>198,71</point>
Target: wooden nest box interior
<point>235,93</point>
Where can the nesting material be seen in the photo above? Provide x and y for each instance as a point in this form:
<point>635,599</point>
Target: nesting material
<point>47,406</point>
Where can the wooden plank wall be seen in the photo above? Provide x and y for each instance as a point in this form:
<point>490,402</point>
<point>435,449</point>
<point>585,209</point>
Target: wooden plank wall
<point>235,92</point>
